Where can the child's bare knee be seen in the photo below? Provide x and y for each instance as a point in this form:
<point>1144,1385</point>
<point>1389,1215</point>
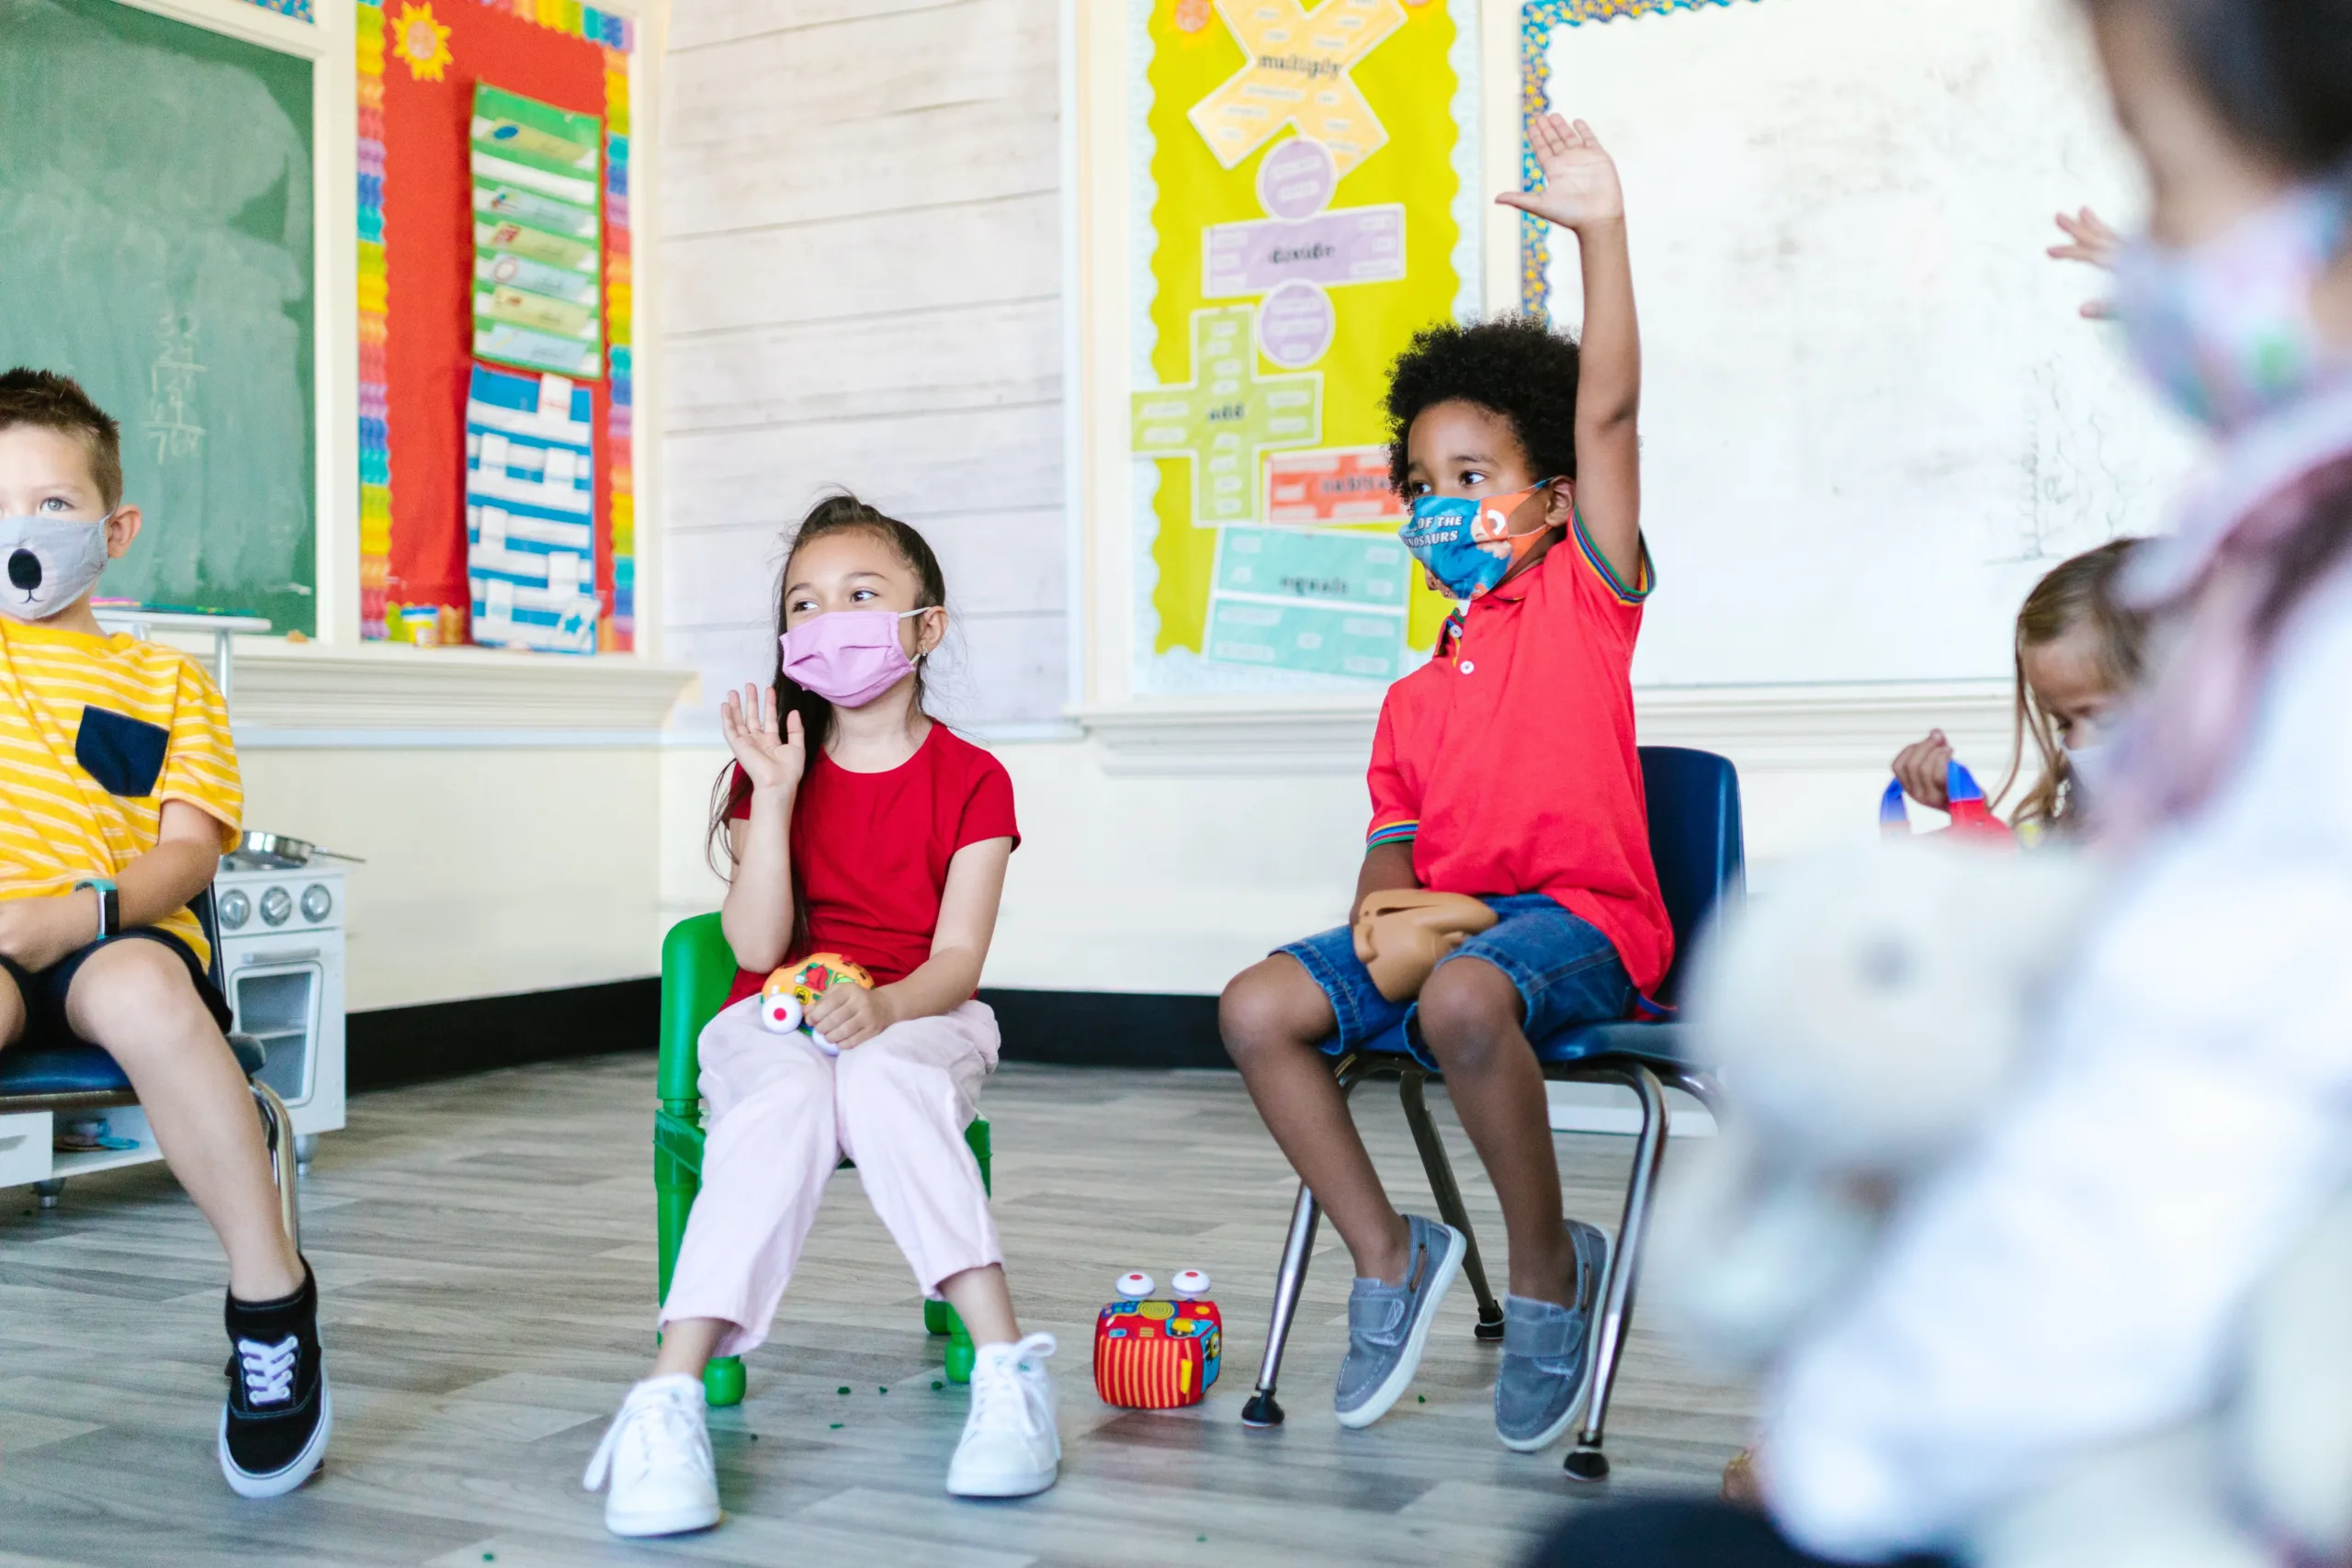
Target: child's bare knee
<point>1261,1009</point>
<point>132,995</point>
<point>1469,1008</point>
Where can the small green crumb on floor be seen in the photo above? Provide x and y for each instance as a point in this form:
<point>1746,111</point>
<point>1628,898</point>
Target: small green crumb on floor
<point>936,1386</point>
<point>844,1389</point>
<point>1200,1538</point>
<point>837,1426</point>
<point>881,1391</point>
<point>1423,1398</point>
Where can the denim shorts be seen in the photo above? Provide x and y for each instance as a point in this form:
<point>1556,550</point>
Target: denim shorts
<point>1567,973</point>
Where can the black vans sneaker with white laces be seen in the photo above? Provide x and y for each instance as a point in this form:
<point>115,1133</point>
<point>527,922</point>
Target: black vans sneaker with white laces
<point>275,1422</point>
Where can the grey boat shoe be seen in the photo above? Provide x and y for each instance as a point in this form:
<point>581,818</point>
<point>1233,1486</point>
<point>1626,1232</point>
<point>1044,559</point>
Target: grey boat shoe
<point>1387,1324</point>
<point>1547,1353</point>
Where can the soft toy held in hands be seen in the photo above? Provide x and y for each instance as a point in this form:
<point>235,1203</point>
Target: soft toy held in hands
<point>785,998</point>
<point>1402,933</point>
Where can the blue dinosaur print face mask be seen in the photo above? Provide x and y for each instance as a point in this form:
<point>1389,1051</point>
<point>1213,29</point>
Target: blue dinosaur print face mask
<point>1447,531</point>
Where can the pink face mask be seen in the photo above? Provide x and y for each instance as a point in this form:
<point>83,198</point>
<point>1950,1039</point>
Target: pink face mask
<point>848,657</point>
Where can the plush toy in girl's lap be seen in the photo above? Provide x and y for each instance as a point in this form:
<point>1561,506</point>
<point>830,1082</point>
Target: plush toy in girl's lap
<point>785,998</point>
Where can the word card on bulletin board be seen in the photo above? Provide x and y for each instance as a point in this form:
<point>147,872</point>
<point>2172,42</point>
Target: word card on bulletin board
<point>1306,200</point>
<point>1872,416</point>
<point>495,311</point>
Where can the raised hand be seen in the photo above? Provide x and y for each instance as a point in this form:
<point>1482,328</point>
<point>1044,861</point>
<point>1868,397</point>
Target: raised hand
<point>2089,240</point>
<point>1923,766</point>
<point>1579,179</point>
<point>772,758</point>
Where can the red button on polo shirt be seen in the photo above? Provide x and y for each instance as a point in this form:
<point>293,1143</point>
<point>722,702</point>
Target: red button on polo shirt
<point>1509,760</point>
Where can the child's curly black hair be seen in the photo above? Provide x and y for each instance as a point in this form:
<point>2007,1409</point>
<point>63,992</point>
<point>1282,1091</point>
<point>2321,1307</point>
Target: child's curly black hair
<point>1514,364</point>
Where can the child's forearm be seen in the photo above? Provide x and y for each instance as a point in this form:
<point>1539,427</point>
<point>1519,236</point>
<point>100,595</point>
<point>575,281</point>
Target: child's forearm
<point>1609,376</point>
<point>942,983</point>
<point>757,914</point>
<point>1384,866</point>
<point>162,882</point>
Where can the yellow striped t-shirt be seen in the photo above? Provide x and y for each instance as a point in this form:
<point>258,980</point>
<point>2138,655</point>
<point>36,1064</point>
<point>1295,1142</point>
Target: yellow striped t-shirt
<point>96,734</point>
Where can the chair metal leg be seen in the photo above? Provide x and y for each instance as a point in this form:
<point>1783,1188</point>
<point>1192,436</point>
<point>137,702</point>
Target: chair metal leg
<point>1449,1199</point>
<point>1261,1410</point>
<point>279,1123</point>
<point>48,1191</point>
<point>1702,1087</point>
<point>305,1148</point>
<point>1586,1461</point>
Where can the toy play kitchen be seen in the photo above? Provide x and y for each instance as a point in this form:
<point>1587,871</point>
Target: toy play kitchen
<point>280,908</point>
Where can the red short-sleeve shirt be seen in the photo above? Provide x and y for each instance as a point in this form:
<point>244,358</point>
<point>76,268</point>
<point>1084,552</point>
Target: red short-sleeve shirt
<point>1509,760</point>
<point>872,850</point>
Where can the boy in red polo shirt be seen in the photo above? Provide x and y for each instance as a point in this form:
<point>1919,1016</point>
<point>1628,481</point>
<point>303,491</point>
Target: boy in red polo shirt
<point>1505,769</point>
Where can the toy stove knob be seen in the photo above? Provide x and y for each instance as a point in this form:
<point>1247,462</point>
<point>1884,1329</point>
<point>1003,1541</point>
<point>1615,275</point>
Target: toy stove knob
<point>1189,1284</point>
<point>1135,1287</point>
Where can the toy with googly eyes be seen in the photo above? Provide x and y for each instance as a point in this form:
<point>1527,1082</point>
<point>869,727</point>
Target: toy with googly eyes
<point>1158,1353</point>
<point>785,998</point>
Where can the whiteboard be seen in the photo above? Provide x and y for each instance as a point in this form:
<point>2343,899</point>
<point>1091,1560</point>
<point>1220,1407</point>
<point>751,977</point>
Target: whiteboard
<point>1871,415</point>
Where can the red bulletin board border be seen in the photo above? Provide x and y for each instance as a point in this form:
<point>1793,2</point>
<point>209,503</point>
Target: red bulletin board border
<point>416,281</point>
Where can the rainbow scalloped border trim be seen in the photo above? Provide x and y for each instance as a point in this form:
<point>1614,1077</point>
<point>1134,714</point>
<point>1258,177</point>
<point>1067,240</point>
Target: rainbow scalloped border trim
<point>618,633</point>
<point>298,9</point>
<point>1537,20</point>
<point>570,17</point>
<point>375,395</point>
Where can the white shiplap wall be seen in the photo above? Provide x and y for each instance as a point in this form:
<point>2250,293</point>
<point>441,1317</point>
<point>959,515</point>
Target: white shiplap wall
<point>860,240</point>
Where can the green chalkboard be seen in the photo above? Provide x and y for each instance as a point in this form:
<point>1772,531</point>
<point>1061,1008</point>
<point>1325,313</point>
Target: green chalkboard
<point>155,245</point>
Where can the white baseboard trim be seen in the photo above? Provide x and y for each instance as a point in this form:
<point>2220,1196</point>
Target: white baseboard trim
<point>1611,1108</point>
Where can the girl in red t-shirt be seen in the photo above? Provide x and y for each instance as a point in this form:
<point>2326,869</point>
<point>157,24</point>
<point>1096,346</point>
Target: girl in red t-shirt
<point>857,825</point>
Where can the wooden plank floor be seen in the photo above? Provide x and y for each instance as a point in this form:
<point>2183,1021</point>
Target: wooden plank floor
<point>486,1251</point>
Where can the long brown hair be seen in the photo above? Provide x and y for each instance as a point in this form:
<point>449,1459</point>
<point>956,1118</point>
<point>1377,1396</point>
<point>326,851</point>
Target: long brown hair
<point>2078,592</point>
<point>840,514</point>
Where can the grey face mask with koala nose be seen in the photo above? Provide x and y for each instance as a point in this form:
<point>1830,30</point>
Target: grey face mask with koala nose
<point>46,563</point>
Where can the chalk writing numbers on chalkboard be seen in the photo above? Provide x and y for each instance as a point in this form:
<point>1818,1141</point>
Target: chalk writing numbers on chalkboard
<point>173,401</point>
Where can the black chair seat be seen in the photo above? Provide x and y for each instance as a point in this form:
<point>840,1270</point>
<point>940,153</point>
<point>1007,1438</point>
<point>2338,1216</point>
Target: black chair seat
<point>86,1069</point>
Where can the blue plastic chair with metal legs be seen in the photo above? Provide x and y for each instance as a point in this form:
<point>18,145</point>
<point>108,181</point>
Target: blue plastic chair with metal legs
<point>1696,843</point>
<point>84,1078</point>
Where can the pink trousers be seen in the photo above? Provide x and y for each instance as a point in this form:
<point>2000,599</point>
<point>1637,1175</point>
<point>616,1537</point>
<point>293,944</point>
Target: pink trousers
<point>783,1113</point>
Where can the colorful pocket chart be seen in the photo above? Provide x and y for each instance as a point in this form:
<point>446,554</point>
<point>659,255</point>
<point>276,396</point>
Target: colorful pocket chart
<point>530,504</point>
<point>538,181</point>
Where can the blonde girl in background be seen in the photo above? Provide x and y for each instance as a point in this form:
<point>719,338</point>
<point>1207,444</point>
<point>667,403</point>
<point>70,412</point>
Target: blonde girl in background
<point>2079,655</point>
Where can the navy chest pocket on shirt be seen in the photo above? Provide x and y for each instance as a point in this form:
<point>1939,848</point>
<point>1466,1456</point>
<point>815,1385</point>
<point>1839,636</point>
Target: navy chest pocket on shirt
<point>124,755</point>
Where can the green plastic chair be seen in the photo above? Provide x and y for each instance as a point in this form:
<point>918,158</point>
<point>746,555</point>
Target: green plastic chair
<point>698,970</point>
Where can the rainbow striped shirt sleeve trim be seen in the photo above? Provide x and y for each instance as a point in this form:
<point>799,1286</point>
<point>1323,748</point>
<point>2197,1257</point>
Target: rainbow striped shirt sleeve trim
<point>1393,833</point>
<point>1645,581</point>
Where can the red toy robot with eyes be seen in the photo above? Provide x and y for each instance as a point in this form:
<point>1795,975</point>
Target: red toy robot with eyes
<point>1157,1353</point>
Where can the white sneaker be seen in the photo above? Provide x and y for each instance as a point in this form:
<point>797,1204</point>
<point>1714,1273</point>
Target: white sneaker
<point>1010,1446</point>
<point>657,1455</point>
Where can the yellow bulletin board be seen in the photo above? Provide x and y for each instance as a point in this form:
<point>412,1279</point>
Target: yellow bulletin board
<point>1306,195</point>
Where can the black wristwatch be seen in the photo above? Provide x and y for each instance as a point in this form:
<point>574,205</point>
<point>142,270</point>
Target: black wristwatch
<point>110,906</point>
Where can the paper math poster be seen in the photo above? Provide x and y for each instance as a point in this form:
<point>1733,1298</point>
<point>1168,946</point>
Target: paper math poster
<point>1306,199</point>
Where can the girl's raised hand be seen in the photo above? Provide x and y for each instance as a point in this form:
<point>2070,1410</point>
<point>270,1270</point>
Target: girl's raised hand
<point>1579,179</point>
<point>2090,240</point>
<point>772,758</point>
<point>1924,768</point>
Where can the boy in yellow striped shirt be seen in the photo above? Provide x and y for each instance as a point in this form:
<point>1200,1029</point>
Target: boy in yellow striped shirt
<point>118,791</point>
